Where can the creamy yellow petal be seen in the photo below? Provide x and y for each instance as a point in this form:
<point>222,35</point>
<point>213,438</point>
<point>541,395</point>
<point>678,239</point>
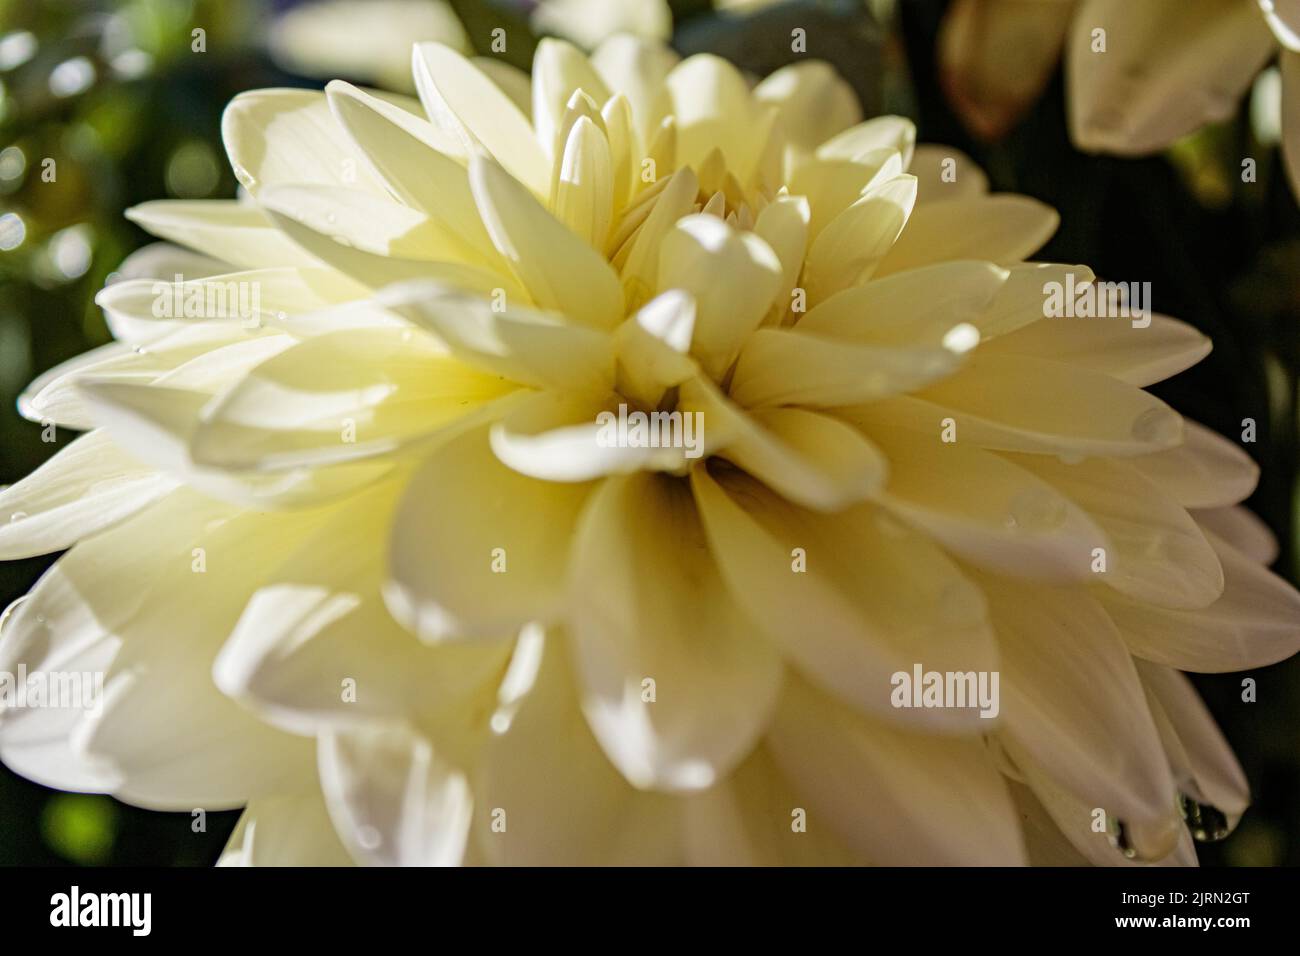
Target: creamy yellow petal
<point>794,367</point>
<point>712,108</point>
<point>1242,529</point>
<point>502,541</point>
<point>87,486</point>
<point>554,436</point>
<point>733,276</point>
<point>637,68</point>
<point>653,348</point>
<point>1077,412</point>
<point>209,752</point>
<point>1003,228</point>
<point>979,505</point>
<point>289,136</point>
<point>559,270</point>
<point>464,102</point>
<point>1157,553</point>
<point>338,397</point>
<point>813,104</point>
<point>637,258</point>
<point>285,830</point>
<point>1202,762</point>
<point>648,603</point>
<point>1255,623</point>
<point>832,185</point>
<point>943,173</point>
<point>884,597</point>
<point>1205,471</point>
<point>235,232</point>
<point>143,311</point>
<point>855,243</point>
<point>560,68</point>
<point>945,800</point>
<point>1072,699</point>
<point>978,40</point>
<point>582,196</point>
<point>879,132</point>
<point>918,308</point>
<point>751,819</point>
<point>537,349</point>
<point>783,225</point>
<point>1138,354</point>
<point>811,459</point>
<point>393,799</point>
<point>315,648</point>
<point>1170,66</point>
<point>586,815</point>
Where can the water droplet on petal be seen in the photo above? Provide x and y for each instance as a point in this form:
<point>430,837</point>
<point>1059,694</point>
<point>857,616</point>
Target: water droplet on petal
<point>1160,426</point>
<point>9,612</point>
<point>1208,824</point>
<point>369,838</point>
<point>1143,843</point>
<point>1036,509</point>
<point>17,516</point>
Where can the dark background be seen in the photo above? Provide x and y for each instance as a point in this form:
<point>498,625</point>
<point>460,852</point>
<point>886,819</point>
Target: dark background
<point>1220,254</point>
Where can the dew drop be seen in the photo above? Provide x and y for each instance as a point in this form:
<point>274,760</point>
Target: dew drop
<point>17,516</point>
<point>1208,824</point>
<point>1036,509</point>
<point>1143,844</point>
<point>369,838</point>
<point>9,612</point>
<point>1160,426</point>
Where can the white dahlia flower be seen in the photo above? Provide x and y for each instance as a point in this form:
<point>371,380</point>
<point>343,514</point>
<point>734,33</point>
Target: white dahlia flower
<point>1139,74</point>
<point>351,544</point>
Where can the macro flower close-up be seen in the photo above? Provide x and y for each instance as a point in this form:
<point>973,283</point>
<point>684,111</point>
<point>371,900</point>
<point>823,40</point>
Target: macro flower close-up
<point>632,461</point>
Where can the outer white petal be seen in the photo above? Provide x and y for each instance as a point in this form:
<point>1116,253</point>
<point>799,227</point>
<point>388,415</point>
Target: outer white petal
<point>288,136</point>
<point>463,102</point>
<point>1072,699</point>
<point>1170,66</point>
<point>1201,759</point>
<point>1205,471</point>
<point>1255,623</point>
<point>899,799</point>
<point>884,598</point>
<point>285,830</point>
<point>393,800</point>
<point>478,549</point>
<point>84,488</point>
<point>527,813</point>
<point>648,603</point>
